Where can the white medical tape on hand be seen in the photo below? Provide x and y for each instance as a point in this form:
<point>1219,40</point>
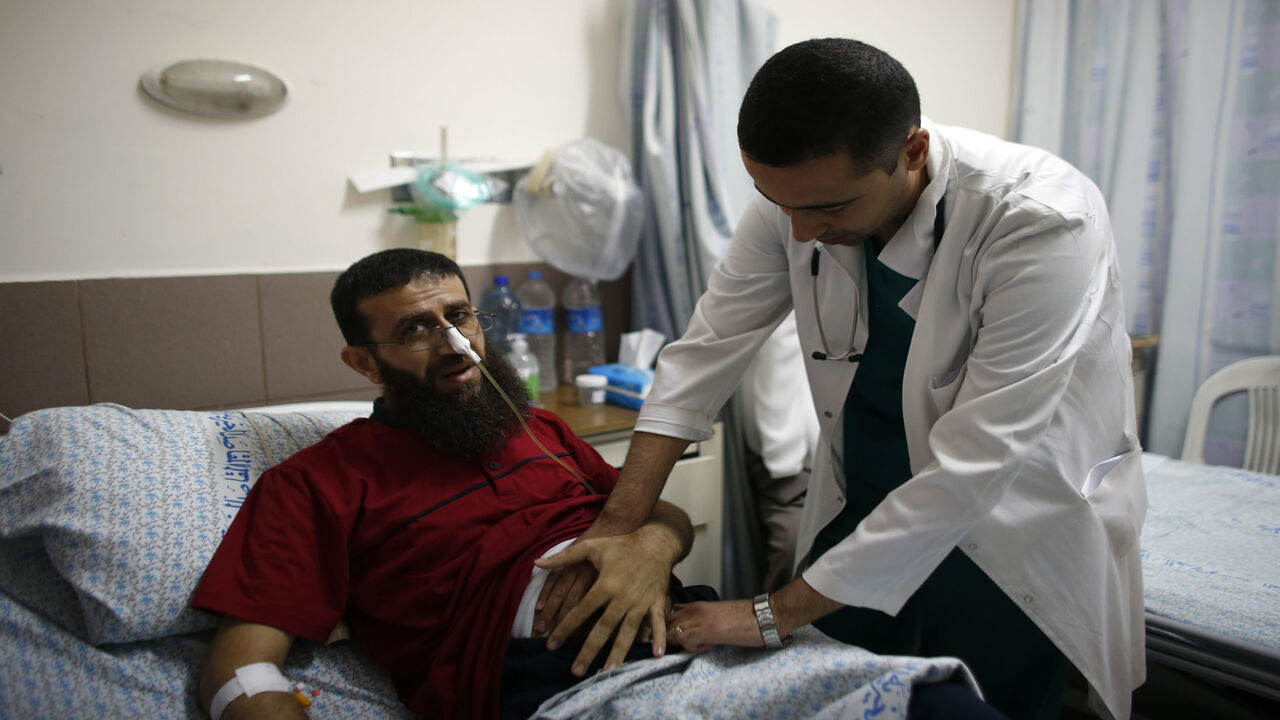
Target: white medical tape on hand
<point>248,681</point>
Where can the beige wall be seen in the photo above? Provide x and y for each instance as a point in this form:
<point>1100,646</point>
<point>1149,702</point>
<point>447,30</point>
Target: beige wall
<point>960,53</point>
<point>96,180</point>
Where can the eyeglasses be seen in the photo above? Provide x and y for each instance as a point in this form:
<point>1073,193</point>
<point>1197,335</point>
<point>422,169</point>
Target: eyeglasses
<point>419,337</point>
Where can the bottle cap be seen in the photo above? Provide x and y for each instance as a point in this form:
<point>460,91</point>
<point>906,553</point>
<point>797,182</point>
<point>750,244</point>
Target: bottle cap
<point>591,380</point>
<point>501,280</point>
<point>535,274</point>
<point>591,389</point>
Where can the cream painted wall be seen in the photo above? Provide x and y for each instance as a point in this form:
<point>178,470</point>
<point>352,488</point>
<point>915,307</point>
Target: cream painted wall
<point>98,180</point>
<point>960,53</point>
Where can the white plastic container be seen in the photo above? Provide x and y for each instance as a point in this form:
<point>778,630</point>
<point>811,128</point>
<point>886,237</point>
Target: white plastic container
<point>525,363</point>
<point>590,389</point>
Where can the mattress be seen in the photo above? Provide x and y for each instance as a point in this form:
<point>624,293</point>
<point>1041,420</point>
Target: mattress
<point>1211,571</point>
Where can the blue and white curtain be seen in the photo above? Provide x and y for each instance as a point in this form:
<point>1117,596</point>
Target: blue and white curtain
<point>686,65</point>
<point>1173,108</point>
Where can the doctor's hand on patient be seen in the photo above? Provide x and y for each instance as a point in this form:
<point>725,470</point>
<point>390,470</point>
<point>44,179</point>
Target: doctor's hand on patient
<point>698,626</point>
<point>701,625</point>
<point>631,587</point>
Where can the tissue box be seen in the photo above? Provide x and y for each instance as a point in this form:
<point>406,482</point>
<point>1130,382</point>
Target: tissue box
<point>628,386</point>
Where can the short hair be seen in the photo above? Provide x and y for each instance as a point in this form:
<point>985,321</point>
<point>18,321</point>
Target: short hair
<point>378,273</point>
<point>829,95</point>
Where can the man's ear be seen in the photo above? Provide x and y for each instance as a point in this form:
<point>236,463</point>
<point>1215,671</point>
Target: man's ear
<point>361,360</point>
<point>917,148</point>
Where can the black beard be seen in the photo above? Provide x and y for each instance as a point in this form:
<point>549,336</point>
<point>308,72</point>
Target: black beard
<point>466,424</point>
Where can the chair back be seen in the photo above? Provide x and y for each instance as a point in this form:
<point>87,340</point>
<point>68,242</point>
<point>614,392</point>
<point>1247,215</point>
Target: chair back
<point>1260,377</point>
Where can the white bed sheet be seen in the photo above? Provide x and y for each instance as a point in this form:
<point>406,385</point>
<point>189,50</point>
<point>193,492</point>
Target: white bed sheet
<point>1211,550</point>
<point>51,673</point>
<point>813,677</point>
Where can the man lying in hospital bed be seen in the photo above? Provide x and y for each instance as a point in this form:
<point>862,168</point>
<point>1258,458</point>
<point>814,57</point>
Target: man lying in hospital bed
<point>420,527</point>
<point>341,527</point>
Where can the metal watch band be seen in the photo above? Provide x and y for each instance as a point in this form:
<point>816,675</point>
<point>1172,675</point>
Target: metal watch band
<point>764,618</point>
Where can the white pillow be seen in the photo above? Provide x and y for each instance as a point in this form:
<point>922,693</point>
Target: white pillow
<point>130,504</point>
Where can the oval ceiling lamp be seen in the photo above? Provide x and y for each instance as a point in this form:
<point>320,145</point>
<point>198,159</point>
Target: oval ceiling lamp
<point>216,88</point>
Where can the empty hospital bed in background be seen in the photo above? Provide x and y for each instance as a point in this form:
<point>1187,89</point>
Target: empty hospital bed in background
<point>1211,570</point>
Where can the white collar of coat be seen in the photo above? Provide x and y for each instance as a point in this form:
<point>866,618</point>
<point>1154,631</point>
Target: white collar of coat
<point>910,250</point>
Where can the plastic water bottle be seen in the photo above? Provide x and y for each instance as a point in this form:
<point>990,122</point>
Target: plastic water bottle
<point>525,363</point>
<point>538,324</point>
<point>504,305</point>
<point>584,341</point>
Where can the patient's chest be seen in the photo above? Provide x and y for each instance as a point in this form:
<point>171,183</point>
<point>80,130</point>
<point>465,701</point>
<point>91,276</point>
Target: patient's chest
<point>428,523</point>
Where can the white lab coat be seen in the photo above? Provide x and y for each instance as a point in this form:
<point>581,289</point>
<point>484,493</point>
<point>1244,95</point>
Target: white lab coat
<point>779,421</point>
<point>1017,396</point>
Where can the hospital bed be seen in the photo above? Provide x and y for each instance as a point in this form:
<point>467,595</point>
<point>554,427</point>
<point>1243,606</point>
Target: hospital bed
<point>108,516</point>
<point>1211,570</point>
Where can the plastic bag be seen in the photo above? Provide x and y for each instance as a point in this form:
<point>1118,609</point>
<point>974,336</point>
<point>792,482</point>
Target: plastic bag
<point>580,210</point>
<point>450,186</point>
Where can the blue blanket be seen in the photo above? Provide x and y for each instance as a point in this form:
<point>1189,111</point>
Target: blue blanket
<point>813,677</point>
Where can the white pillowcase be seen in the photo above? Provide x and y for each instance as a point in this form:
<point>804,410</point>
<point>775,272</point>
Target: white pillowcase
<point>130,505</point>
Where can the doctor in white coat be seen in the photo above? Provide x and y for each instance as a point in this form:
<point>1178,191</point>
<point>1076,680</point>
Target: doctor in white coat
<point>978,489</point>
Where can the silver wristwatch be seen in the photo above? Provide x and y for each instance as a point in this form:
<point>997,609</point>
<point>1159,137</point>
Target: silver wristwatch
<point>764,617</point>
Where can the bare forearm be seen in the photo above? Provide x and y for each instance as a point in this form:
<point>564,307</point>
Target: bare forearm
<point>797,604</point>
<point>235,645</point>
<point>732,622</point>
<point>649,462</point>
<point>676,523</point>
<point>633,545</point>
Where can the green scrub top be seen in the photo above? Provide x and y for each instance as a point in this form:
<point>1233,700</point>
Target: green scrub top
<point>875,440</point>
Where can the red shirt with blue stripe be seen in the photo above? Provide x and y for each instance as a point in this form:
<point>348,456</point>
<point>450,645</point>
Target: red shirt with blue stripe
<point>425,554</point>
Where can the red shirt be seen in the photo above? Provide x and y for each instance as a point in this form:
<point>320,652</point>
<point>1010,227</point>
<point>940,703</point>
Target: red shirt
<point>425,554</point>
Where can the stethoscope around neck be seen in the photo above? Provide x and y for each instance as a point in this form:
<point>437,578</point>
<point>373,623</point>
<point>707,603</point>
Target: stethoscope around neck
<point>939,225</point>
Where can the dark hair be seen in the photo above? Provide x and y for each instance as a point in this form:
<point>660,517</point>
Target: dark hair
<point>378,273</point>
<point>824,96</point>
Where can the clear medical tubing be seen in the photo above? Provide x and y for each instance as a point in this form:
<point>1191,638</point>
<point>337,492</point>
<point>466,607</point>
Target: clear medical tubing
<point>462,346</point>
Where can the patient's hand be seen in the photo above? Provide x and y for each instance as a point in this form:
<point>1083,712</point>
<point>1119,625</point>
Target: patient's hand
<point>698,626</point>
<point>634,570</point>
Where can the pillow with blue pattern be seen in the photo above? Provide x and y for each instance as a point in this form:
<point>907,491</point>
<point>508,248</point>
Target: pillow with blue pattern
<point>129,506</point>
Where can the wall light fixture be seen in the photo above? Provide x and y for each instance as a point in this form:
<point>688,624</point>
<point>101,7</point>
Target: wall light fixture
<point>216,88</point>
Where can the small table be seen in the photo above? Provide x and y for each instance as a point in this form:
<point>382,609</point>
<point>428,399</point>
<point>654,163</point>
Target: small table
<point>585,421</point>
